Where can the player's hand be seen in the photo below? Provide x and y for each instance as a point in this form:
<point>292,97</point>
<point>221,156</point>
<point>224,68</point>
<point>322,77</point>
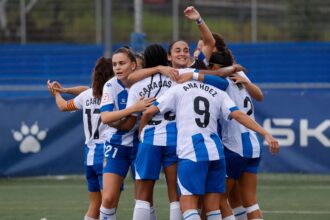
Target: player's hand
<point>185,77</point>
<point>50,88</point>
<point>238,68</point>
<point>191,13</point>
<point>58,87</point>
<point>274,147</point>
<point>170,72</point>
<point>238,79</point>
<point>143,104</point>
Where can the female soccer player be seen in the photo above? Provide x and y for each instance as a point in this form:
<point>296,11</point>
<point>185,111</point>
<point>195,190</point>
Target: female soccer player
<point>201,166</point>
<point>242,147</point>
<point>121,145</point>
<point>96,132</point>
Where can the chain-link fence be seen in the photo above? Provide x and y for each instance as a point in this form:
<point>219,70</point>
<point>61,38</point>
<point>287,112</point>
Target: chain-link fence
<point>82,21</point>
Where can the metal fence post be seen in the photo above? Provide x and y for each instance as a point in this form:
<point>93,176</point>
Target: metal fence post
<point>23,22</point>
<point>107,28</point>
<point>254,21</point>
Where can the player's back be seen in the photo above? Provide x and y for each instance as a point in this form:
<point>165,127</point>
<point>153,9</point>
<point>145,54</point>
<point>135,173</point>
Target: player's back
<point>161,130</point>
<point>95,131</point>
<point>198,107</point>
<point>235,136</point>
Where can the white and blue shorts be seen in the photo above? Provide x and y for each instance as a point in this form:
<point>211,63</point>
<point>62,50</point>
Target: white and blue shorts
<point>236,165</point>
<point>150,158</point>
<point>201,177</point>
<point>94,177</point>
<point>118,159</point>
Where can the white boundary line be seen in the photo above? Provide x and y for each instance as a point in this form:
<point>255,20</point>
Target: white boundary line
<point>294,85</point>
<point>297,212</point>
<point>161,185</point>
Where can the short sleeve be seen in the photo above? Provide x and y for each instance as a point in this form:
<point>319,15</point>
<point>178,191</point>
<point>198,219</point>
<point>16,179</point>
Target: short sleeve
<point>242,74</point>
<point>227,106</point>
<point>107,101</point>
<point>167,101</point>
<point>133,97</point>
<point>79,100</point>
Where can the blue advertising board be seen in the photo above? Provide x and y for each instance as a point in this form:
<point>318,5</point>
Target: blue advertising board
<point>38,139</point>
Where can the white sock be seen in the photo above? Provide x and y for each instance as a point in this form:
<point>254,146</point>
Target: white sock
<point>175,212</point>
<point>153,215</point>
<point>213,215</point>
<point>253,208</point>
<point>89,218</point>
<point>191,214</point>
<point>231,217</point>
<point>141,210</point>
<point>240,213</point>
<point>107,214</point>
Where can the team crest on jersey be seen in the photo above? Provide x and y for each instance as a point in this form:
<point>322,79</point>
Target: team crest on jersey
<point>123,101</point>
<point>29,137</point>
<point>105,97</point>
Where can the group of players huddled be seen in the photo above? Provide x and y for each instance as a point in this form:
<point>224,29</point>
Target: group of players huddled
<point>193,117</point>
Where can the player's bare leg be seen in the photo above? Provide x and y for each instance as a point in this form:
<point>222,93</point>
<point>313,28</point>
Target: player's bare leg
<point>144,200</point>
<point>172,191</point>
<point>95,200</point>
<point>189,206</point>
<point>225,208</point>
<point>248,191</point>
<point>235,202</point>
<point>111,193</point>
<point>211,203</point>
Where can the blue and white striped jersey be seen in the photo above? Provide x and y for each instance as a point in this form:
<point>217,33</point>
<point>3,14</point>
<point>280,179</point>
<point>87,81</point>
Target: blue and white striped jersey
<point>95,131</point>
<point>198,107</point>
<point>161,130</point>
<point>114,98</point>
<point>235,136</point>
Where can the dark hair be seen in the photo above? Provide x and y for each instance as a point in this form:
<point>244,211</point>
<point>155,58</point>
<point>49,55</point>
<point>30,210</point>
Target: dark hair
<point>155,55</point>
<point>141,57</point>
<point>101,74</point>
<point>224,58</point>
<point>128,52</point>
<point>220,43</point>
<point>171,45</point>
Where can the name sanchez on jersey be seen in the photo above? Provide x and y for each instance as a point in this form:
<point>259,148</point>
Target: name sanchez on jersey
<point>201,86</point>
<point>93,101</point>
<point>155,85</point>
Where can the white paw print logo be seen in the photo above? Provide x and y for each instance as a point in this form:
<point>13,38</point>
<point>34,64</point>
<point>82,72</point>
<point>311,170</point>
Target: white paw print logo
<point>29,138</point>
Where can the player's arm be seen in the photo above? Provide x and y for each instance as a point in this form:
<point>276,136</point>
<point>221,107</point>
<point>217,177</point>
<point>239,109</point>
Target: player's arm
<point>192,14</point>
<point>224,71</point>
<point>126,124</point>
<point>213,80</point>
<point>254,91</point>
<point>108,117</point>
<point>76,90</point>
<point>245,120</point>
<point>61,103</point>
<point>146,72</point>
<point>147,116</point>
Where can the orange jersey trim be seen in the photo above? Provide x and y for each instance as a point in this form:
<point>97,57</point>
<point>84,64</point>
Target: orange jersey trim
<point>70,105</point>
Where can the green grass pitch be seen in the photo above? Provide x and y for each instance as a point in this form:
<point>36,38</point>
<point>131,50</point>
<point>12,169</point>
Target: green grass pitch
<point>281,196</point>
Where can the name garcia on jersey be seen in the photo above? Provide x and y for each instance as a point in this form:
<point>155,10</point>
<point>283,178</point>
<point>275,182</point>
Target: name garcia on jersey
<point>201,86</point>
<point>155,85</point>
